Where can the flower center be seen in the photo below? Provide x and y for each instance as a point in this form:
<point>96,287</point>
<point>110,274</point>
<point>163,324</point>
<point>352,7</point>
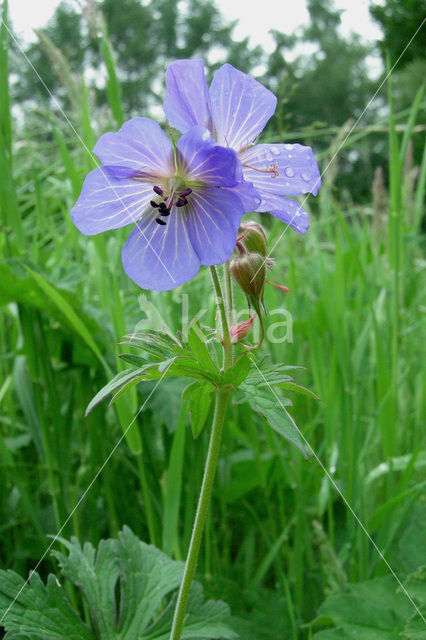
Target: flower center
<point>175,197</point>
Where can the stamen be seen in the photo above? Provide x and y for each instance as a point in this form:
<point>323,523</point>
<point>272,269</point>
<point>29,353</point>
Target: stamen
<point>185,192</point>
<point>160,221</point>
<point>272,169</point>
<point>181,202</point>
<point>154,204</point>
<point>158,190</point>
<point>164,212</point>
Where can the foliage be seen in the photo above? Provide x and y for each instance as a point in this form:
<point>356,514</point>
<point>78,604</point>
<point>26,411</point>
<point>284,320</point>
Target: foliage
<point>144,36</point>
<point>192,359</point>
<point>374,609</point>
<point>356,299</point>
<point>125,584</point>
<point>399,22</point>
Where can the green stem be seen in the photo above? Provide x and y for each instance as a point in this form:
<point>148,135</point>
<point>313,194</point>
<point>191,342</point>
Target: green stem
<point>220,304</point>
<point>226,340</point>
<point>229,307</point>
<point>222,395</point>
<point>229,291</point>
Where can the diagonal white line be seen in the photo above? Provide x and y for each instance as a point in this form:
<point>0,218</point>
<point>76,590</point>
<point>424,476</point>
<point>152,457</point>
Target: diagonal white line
<point>95,477</point>
<point>82,142</point>
<point>360,523</point>
<point>345,138</point>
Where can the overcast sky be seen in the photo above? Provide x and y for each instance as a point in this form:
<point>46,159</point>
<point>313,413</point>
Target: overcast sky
<point>255,18</point>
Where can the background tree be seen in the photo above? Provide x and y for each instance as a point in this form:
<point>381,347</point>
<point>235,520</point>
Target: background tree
<point>144,37</point>
<point>322,80</point>
<point>399,21</point>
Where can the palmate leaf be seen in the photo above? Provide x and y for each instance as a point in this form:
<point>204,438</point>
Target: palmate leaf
<point>161,355</point>
<point>40,610</point>
<point>129,588</point>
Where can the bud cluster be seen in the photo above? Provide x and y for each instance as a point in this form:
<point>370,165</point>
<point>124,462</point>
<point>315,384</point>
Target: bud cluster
<point>250,264</point>
<point>249,269</point>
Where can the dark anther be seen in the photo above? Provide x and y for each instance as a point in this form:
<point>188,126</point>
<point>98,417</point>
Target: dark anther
<point>158,190</point>
<point>164,212</point>
<point>181,202</point>
<point>185,192</point>
<point>162,206</point>
<point>154,204</point>
<point>160,221</point>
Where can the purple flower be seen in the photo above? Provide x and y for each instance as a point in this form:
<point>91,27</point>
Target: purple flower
<point>236,108</point>
<point>187,202</point>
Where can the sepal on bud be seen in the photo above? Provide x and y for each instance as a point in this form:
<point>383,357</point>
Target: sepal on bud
<point>253,237</point>
<point>249,271</point>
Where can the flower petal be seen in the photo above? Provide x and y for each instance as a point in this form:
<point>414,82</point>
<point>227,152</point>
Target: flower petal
<point>140,144</point>
<point>287,210</point>
<point>202,160</point>
<point>241,107</point>
<point>248,195</point>
<point>110,199</point>
<point>187,100</point>
<point>160,257</point>
<point>282,169</point>
<point>213,217</point>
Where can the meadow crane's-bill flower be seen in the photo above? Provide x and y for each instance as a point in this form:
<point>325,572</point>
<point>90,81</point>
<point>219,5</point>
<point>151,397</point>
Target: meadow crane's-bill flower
<point>236,109</point>
<point>186,202</point>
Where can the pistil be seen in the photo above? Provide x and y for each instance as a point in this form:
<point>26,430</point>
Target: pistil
<point>272,169</point>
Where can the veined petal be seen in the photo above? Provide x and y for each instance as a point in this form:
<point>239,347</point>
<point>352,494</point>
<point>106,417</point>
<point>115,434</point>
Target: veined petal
<point>202,160</point>
<point>140,144</point>
<point>248,195</point>
<point>160,257</point>
<point>241,107</point>
<point>287,210</point>
<point>281,169</point>
<point>110,198</point>
<point>187,100</point>
<point>212,218</point>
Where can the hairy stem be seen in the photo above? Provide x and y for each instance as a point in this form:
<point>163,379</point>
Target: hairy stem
<point>222,396</point>
<point>226,340</point>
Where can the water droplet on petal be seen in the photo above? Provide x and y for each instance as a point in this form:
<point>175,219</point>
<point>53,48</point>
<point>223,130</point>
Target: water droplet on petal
<point>305,177</point>
<point>288,146</point>
<point>289,172</point>
<point>206,135</point>
<point>275,150</point>
<point>269,156</point>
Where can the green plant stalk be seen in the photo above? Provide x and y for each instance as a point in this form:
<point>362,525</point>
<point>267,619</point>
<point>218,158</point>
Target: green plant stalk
<point>222,397</point>
<point>226,340</point>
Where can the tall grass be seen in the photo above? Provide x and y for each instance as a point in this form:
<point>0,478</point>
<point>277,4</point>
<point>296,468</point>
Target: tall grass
<point>277,526</point>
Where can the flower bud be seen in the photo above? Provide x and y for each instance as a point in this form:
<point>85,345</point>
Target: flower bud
<point>253,237</point>
<point>249,270</point>
<point>241,330</point>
